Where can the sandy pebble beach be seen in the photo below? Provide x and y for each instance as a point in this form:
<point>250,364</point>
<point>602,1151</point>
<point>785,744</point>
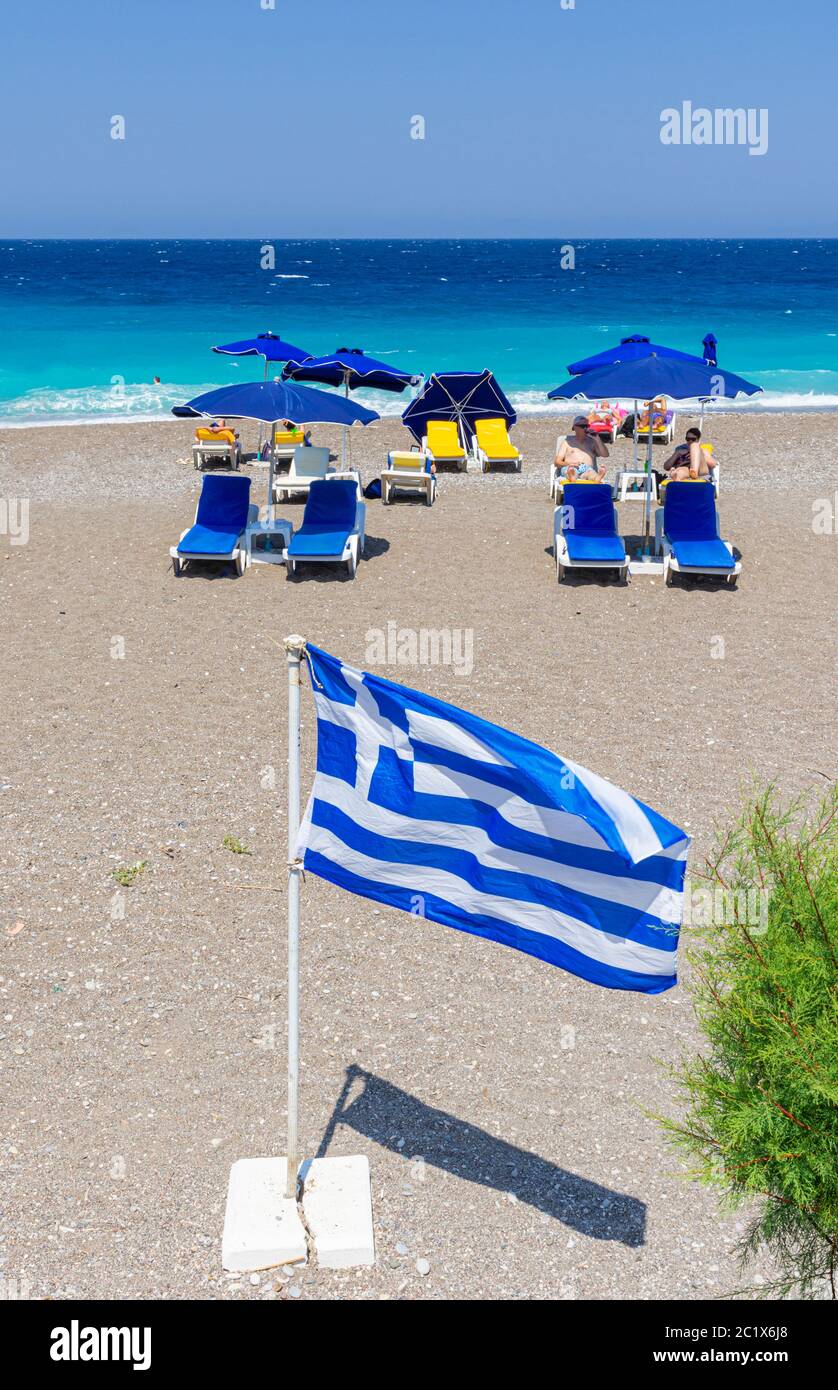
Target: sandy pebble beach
<point>501,1103</point>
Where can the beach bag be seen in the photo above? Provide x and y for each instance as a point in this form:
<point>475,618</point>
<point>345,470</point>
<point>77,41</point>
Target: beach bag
<point>373,489</point>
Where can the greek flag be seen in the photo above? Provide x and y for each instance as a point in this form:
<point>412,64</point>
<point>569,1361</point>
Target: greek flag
<point>430,809</point>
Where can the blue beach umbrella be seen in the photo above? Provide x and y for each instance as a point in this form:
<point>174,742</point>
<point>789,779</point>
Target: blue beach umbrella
<point>628,350</point>
<point>464,397</point>
<point>351,368</point>
<point>267,345</point>
<point>651,376</point>
<point>632,349</point>
<point>270,401</point>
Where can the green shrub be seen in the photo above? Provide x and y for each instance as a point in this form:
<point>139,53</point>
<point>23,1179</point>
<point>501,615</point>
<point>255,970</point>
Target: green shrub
<point>761,1118</point>
<point>233,845</point>
<point>127,875</point>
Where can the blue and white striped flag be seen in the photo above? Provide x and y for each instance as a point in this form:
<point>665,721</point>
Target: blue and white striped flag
<point>428,808</point>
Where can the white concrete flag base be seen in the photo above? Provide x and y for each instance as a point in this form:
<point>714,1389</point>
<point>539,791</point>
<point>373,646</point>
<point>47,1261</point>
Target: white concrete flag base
<point>338,1210</point>
<point>263,1227</point>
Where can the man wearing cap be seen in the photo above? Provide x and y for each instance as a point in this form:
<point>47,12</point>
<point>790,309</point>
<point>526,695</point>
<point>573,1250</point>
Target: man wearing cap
<point>576,457</point>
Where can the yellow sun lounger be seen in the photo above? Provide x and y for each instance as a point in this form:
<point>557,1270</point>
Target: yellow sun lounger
<point>295,436</point>
<point>284,442</point>
<point>225,436</point>
<point>493,445</point>
<point>220,445</point>
<point>442,444</point>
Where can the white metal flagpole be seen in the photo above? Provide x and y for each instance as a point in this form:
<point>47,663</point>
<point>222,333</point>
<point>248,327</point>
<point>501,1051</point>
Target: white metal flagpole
<point>262,1225</point>
<point>294,647</point>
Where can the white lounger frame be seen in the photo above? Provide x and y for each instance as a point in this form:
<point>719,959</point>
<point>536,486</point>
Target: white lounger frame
<point>309,464</point>
<point>398,477</point>
<point>282,453</point>
<point>352,550</point>
<point>564,562</point>
<point>671,567</point>
<point>239,555</point>
<point>215,449</point>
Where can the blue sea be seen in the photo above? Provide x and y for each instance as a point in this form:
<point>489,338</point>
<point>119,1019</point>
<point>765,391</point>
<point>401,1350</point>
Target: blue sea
<point>87,325</point>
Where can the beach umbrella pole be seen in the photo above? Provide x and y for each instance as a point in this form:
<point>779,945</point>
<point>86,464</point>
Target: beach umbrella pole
<point>648,500</point>
<point>259,445</point>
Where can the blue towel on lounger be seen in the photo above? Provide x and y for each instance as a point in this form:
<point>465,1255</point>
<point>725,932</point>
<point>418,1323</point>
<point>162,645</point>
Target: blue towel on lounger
<point>589,524</point>
<point>328,520</point>
<point>691,525</point>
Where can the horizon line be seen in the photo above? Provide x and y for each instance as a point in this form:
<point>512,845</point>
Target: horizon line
<point>558,239</point>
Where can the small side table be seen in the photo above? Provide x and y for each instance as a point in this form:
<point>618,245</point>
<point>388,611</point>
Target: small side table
<point>274,532</point>
<point>631,485</point>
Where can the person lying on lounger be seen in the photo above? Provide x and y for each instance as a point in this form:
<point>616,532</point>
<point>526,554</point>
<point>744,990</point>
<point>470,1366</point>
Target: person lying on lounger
<point>690,459</point>
<point>656,410</point>
<point>576,458</point>
<point>287,428</point>
<point>218,427</point>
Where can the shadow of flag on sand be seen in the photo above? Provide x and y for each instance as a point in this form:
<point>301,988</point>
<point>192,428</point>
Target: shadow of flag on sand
<point>384,1113</point>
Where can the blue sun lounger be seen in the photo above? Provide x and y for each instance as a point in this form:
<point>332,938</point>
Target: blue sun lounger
<point>585,532</point>
<point>691,541</point>
<point>221,519</point>
<point>333,526</point>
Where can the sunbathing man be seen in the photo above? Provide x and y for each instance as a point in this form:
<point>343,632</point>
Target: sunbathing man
<point>577,454</point>
<point>218,427</point>
<point>689,460</point>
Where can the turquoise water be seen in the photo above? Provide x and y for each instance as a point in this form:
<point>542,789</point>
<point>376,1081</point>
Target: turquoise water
<point>88,325</point>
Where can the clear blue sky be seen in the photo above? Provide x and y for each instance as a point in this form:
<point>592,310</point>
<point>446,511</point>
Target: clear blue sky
<point>295,121</point>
